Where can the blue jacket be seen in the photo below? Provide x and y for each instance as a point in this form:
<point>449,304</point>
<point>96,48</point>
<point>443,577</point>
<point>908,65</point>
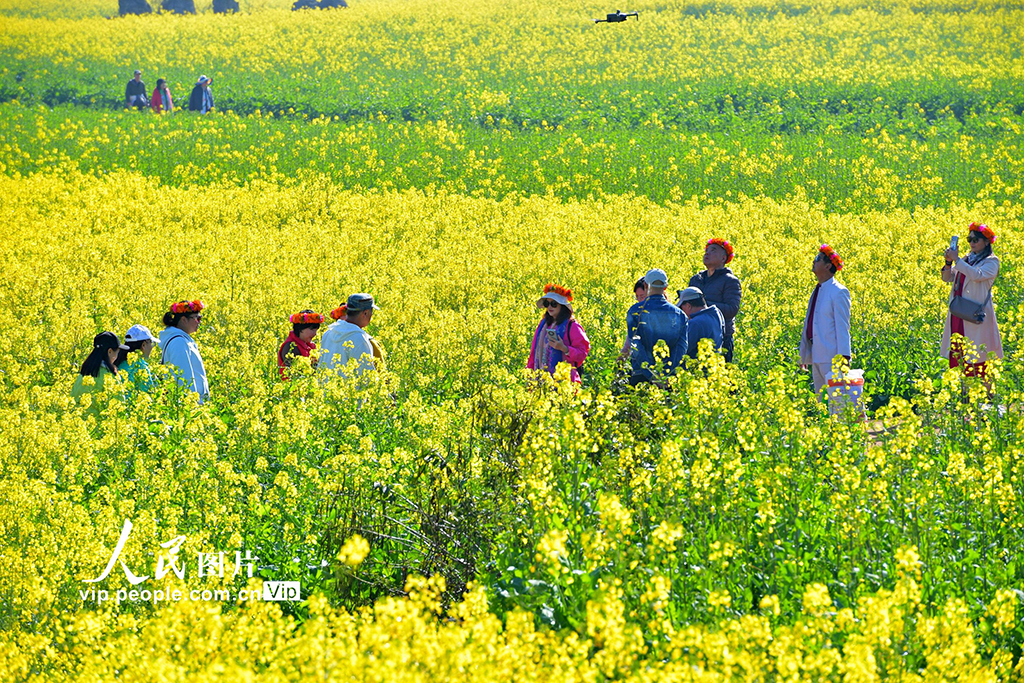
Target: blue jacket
<point>706,324</point>
<point>652,320</point>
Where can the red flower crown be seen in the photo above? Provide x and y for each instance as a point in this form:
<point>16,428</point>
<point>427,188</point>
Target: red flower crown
<point>724,244</point>
<point>988,232</point>
<point>558,289</point>
<point>832,256</point>
<point>305,318</point>
<point>187,306</point>
<point>340,312</point>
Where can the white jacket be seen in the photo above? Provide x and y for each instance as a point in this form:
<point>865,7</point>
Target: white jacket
<point>342,342</point>
<point>831,325</point>
<point>180,350</point>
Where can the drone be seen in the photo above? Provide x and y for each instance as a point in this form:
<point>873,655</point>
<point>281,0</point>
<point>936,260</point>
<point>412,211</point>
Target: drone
<point>617,17</point>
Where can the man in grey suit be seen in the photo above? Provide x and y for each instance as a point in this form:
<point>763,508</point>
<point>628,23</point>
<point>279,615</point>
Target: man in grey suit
<point>826,330</point>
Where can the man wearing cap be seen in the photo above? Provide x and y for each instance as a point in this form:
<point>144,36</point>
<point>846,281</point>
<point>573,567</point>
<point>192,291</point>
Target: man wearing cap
<point>201,99</point>
<point>346,340</point>
<point>721,287</point>
<point>652,320</point>
<point>703,321</point>
<point>135,92</point>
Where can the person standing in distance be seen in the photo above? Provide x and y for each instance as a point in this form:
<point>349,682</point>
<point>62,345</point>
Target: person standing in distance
<point>826,328</point>
<point>720,287</point>
<point>346,339</point>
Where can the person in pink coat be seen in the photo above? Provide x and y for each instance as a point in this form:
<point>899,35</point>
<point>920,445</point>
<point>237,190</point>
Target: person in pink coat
<point>161,99</point>
<point>559,336</point>
<point>972,278</point>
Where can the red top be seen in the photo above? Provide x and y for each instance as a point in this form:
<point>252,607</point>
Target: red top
<point>156,101</point>
<point>292,346</point>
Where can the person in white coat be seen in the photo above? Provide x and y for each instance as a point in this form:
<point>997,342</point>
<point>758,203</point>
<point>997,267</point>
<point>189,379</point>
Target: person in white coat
<point>180,349</point>
<point>972,278</point>
<point>826,330</point>
<point>346,340</point>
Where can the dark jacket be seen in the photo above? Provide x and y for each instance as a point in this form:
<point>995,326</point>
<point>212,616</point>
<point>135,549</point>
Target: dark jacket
<point>724,291</point>
<point>706,324</point>
<point>134,89</point>
<point>195,100</point>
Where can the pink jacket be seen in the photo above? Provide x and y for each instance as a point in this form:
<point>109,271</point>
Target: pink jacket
<point>573,336</point>
<point>156,101</point>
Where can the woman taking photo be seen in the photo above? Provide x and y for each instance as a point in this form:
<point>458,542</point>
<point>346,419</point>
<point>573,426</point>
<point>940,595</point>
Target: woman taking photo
<point>180,349</point>
<point>972,279</point>
<point>559,337</point>
<point>100,365</point>
<point>305,325</point>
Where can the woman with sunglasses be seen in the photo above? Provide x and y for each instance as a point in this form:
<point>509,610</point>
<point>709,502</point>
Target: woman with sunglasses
<point>559,336</point>
<point>972,278</point>
<point>180,350</point>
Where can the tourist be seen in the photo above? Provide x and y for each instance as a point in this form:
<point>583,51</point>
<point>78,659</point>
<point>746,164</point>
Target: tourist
<point>201,99</point>
<point>966,342</point>
<point>559,336</point>
<point>346,341</point>
<point>161,100</point>
<point>703,321</point>
<point>305,325</point>
<point>826,328</point>
<point>720,287</point>
<point>133,360</point>
<point>653,320</point>
<point>135,92</point>
<point>99,365</point>
<point>180,350</point>
<point>639,293</point>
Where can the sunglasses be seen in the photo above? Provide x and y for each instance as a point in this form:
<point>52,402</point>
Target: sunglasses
<point>548,303</point>
<point>973,238</point>
<point>197,318</point>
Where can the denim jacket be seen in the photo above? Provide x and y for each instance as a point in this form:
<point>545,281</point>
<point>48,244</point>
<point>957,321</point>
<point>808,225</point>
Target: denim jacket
<point>652,320</point>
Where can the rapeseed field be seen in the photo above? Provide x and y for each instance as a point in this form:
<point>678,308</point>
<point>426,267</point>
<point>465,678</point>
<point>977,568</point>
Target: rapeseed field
<point>449,517</point>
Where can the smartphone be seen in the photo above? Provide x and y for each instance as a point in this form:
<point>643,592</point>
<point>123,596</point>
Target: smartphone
<point>954,242</point>
<point>552,335</point>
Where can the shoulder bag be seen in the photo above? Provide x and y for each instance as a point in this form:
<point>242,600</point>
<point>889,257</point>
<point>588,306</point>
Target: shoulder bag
<point>969,311</point>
